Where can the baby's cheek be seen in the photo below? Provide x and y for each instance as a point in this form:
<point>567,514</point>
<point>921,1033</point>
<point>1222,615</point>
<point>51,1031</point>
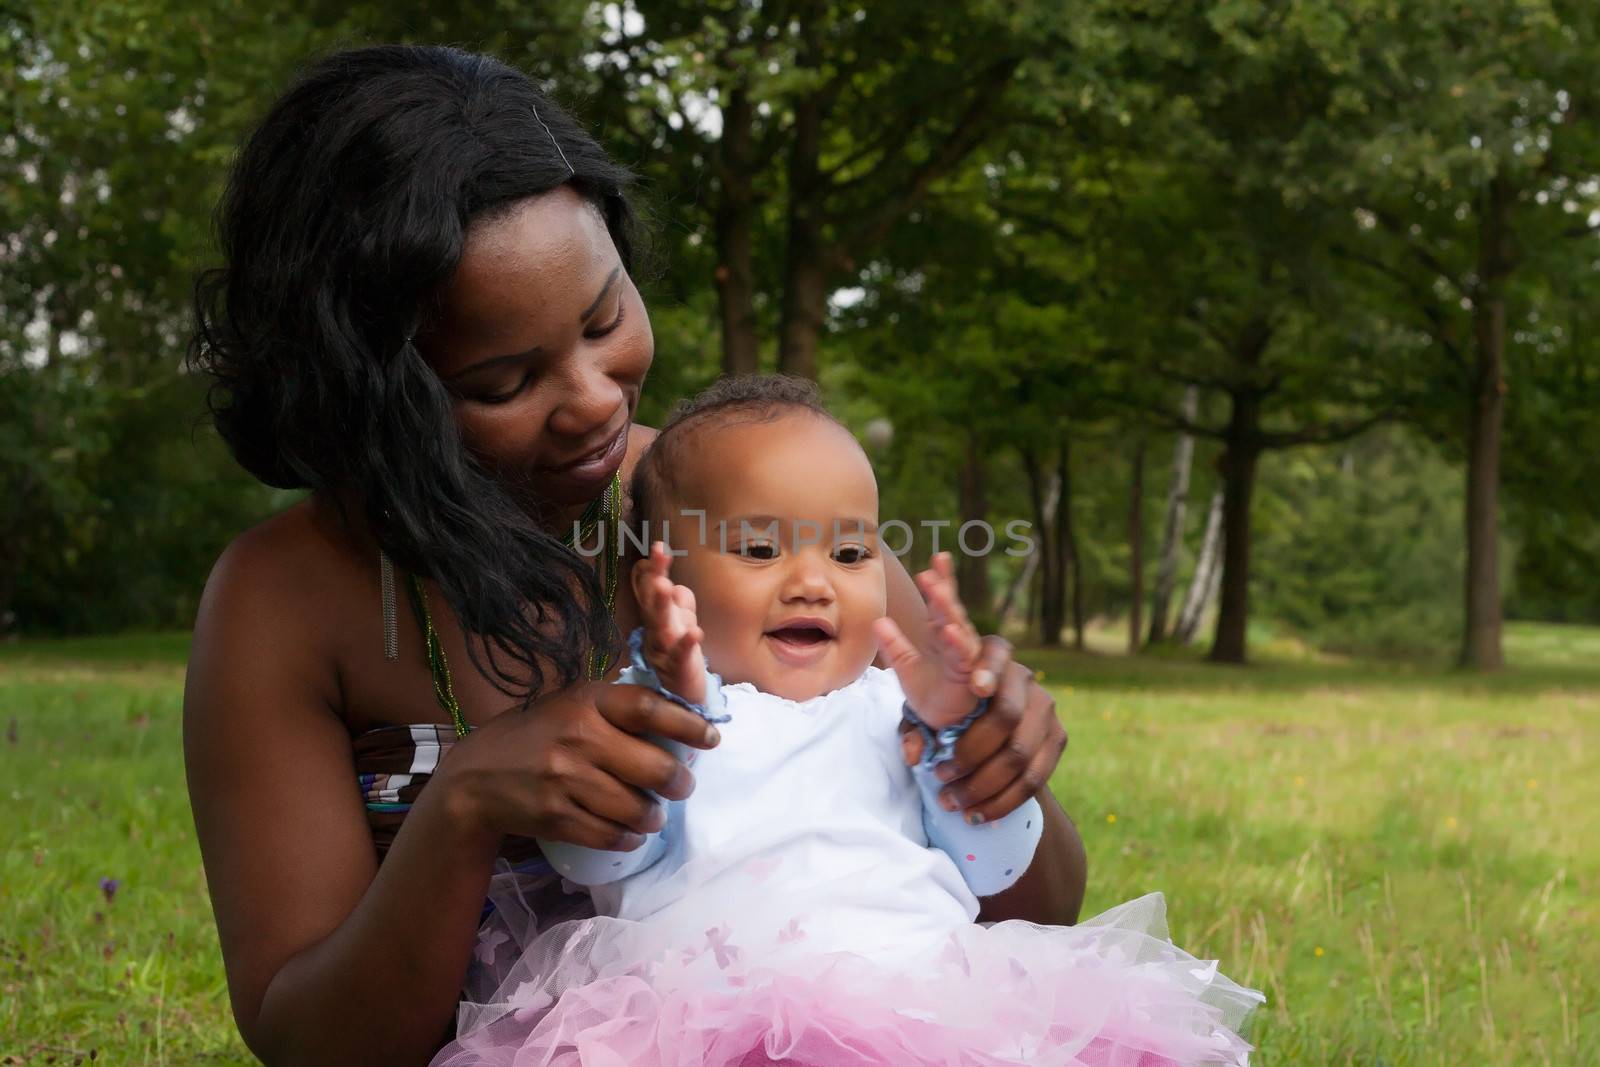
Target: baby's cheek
<point>726,658</point>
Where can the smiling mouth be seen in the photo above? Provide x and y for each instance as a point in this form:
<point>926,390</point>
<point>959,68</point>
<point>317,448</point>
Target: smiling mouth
<point>594,454</point>
<point>802,634</point>
<point>800,642</point>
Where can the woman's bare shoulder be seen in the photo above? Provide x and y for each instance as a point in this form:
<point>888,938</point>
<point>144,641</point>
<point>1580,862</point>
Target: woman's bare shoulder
<point>284,587</point>
<point>303,547</point>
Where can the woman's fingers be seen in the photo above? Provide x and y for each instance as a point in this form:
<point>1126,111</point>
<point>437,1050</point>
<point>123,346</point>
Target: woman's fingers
<point>644,765</point>
<point>994,663</point>
<point>1024,786</point>
<point>633,709</point>
<point>910,743</point>
<point>991,730</point>
<point>575,825</point>
<point>1005,766</point>
<point>1028,750</point>
<point>612,800</point>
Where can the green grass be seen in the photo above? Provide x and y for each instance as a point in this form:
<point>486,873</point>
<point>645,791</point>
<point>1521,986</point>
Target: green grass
<point>1406,859</point>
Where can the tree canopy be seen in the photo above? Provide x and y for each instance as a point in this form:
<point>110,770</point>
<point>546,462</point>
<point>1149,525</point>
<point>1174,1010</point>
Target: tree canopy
<point>1335,254</point>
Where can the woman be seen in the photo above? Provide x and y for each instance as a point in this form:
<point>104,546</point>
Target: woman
<point>426,318</point>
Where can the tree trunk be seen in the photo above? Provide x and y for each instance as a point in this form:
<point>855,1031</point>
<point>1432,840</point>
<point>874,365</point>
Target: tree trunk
<point>1052,577</point>
<point>1005,611</point>
<point>10,570</point>
<point>1480,642</point>
<point>1023,582</point>
<point>1207,574</point>
<point>1067,550</point>
<point>805,267</point>
<point>734,225</point>
<point>1172,528</point>
<point>1241,453</point>
<point>1136,550</point>
<point>972,569</point>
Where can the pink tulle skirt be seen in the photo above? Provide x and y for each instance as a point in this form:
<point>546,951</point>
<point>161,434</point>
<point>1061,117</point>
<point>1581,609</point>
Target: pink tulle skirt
<point>601,992</point>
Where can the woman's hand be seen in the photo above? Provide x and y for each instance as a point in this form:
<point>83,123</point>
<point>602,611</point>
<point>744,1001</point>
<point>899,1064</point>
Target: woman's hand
<point>574,767</point>
<point>1009,752</point>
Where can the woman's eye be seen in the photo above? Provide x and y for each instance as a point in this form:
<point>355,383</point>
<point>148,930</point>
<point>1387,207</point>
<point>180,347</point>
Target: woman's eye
<point>506,395</point>
<point>613,324</point>
<point>850,554</point>
<point>759,550</point>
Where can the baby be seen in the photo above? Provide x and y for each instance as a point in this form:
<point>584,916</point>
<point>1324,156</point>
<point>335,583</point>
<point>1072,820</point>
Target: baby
<point>811,903</point>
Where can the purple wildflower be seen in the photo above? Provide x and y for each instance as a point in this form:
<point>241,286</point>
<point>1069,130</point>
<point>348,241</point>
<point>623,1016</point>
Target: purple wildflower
<point>109,887</point>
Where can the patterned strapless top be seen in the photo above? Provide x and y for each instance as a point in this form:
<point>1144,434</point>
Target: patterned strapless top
<point>394,763</point>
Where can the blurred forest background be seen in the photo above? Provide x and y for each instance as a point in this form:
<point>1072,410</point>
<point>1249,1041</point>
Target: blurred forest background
<point>1273,319</point>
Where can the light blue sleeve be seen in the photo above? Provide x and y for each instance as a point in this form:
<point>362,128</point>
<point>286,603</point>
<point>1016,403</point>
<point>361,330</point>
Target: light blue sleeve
<point>990,856</point>
<point>593,866</point>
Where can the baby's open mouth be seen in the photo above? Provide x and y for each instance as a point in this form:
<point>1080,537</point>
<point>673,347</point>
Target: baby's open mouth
<point>802,633</point>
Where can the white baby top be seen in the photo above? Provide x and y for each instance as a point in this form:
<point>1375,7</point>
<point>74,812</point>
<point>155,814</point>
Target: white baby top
<point>802,802</point>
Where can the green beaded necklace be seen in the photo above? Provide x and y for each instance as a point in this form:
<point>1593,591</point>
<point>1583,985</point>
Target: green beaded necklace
<point>603,509</point>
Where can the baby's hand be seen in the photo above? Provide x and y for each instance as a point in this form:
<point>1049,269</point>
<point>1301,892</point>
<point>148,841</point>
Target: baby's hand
<point>938,688</point>
<point>672,636</point>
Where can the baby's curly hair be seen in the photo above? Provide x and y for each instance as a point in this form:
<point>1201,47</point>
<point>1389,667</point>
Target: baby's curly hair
<point>744,398</point>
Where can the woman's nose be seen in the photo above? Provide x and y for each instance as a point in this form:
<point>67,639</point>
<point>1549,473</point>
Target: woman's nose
<point>589,403</point>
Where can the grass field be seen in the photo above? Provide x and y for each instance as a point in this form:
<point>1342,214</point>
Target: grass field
<point>1405,859</point>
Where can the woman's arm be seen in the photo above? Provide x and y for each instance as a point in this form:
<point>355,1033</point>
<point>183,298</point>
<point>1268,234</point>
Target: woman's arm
<point>1051,891</point>
<point>330,957</point>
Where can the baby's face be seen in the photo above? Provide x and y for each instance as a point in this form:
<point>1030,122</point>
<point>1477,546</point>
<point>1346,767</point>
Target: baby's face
<point>788,578</point>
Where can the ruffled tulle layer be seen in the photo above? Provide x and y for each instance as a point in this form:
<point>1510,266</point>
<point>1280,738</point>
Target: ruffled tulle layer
<point>1111,992</point>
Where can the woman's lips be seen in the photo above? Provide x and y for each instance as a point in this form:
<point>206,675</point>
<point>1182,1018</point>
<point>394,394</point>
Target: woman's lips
<point>586,474</point>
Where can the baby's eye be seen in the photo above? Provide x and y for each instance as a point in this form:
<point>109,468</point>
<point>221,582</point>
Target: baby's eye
<point>849,554</point>
<point>759,550</point>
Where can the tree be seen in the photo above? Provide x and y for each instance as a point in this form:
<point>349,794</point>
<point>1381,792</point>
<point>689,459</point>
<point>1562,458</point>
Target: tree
<point>117,133</point>
<point>1239,110</point>
<point>1473,178</point>
<point>823,127</point>
<point>1172,527</point>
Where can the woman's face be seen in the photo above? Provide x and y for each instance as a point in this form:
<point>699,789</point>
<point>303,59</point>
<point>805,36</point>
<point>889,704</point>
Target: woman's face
<point>544,343</point>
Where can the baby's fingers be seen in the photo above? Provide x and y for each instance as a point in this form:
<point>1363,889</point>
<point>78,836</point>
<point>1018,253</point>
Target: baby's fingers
<point>684,647</point>
<point>960,647</point>
<point>897,648</point>
<point>652,581</point>
<point>656,608</point>
<point>683,597</point>
<point>943,596</point>
<point>659,565</point>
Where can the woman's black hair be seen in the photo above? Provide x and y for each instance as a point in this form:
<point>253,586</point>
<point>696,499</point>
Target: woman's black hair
<point>346,212</point>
